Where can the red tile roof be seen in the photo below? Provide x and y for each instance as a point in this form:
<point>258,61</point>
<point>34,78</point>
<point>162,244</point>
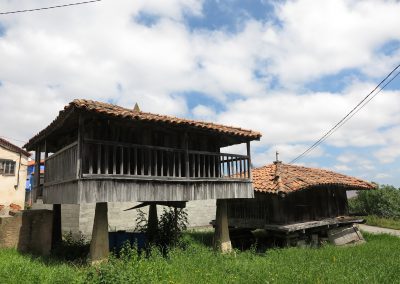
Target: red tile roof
<point>121,112</point>
<point>31,163</point>
<point>279,177</point>
<point>14,148</point>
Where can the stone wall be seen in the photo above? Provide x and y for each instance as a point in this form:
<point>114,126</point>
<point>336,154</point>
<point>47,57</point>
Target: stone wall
<point>78,219</point>
<point>28,231</point>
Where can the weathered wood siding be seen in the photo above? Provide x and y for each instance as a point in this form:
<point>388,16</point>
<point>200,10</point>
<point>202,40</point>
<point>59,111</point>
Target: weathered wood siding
<point>306,205</point>
<point>61,166</point>
<point>90,191</point>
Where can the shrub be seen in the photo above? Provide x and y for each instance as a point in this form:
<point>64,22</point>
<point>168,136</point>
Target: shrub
<point>383,202</point>
<point>171,225</point>
<point>72,248</point>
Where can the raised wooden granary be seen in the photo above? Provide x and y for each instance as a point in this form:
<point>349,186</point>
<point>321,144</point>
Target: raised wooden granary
<point>294,200</point>
<point>98,152</point>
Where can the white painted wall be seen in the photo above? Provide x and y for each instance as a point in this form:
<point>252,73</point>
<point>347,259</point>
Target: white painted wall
<point>9,191</point>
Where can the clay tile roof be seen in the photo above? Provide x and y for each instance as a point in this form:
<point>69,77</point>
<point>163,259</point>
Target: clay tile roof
<point>134,114</point>
<point>279,177</point>
<point>10,146</point>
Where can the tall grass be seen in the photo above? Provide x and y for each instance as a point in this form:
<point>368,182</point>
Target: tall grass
<point>377,261</point>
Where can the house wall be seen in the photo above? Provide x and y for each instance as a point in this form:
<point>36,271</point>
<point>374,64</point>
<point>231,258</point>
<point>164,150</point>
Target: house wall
<point>8,192</point>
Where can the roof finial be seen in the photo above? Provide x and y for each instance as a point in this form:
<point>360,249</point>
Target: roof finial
<point>277,156</point>
<point>136,108</point>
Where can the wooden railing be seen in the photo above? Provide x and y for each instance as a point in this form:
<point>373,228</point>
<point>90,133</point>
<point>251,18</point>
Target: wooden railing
<point>125,159</point>
<point>62,165</point>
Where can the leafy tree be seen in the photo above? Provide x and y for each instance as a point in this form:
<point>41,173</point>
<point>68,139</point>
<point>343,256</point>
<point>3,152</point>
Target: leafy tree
<point>382,202</point>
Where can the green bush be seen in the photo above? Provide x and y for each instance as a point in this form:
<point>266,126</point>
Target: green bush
<point>171,225</point>
<point>383,202</point>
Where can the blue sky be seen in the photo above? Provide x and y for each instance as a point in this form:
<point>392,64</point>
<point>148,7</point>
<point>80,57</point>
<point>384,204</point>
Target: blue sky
<point>290,69</point>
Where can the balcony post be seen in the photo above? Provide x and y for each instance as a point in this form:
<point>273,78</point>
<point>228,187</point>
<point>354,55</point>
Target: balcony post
<point>36,174</point>
<point>248,159</point>
<point>80,147</point>
<point>186,147</point>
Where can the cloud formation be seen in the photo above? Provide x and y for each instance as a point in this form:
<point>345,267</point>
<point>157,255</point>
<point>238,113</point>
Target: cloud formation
<point>261,75</point>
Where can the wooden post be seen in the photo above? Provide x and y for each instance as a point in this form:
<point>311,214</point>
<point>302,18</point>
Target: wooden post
<point>99,247</point>
<point>186,148</point>
<point>56,236</point>
<point>37,174</point>
<point>222,241</point>
<point>249,159</point>
<point>80,147</point>
<point>152,223</point>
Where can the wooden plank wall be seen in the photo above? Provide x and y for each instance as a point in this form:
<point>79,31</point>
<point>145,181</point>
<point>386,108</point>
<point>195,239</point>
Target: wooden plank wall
<point>61,166</point>
<point>302,206</point>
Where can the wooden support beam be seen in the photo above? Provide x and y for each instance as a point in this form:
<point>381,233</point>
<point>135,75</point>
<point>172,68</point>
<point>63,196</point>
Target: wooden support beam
<point>80,150</point>
<point>186,148</point>
<point>99,247</point>
<point>222,241</point>
<point>56,236</point>
<point>152,226</point>
<point>37,174</point>
<point>249,159</point>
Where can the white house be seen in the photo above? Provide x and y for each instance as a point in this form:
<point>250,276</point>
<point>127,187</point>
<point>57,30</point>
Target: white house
<point>13,172</point>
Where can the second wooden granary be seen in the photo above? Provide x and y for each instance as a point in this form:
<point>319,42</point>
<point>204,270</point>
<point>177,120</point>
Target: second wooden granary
<point>98,152</point>
<point>290,199</point>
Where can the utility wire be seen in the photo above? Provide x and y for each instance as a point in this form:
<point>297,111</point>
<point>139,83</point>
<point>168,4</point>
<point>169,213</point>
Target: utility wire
<point>348,116</point>
<point>8,138</point>
<point>50,7</point>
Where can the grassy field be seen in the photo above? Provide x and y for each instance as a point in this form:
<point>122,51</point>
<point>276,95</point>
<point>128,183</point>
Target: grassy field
<point>383,222</point>
<point>377,261</point>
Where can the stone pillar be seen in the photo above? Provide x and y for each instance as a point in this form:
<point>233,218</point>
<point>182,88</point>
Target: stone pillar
<point>152,222</point>
<point>222,241</point>
<point>99,246</point>
<point>56,236</point>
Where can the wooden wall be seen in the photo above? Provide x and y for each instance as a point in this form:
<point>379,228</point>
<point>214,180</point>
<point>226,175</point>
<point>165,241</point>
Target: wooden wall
<point>306,205</point>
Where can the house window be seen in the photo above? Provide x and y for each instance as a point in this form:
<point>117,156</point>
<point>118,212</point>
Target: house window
<point>7,167</point>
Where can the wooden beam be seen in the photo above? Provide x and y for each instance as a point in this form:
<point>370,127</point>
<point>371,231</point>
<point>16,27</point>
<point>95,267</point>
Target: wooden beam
<point>56,236</point>
<point>80,150</point>
<point>175,204</point>
<point>186,149</point>
<point>249,159</point>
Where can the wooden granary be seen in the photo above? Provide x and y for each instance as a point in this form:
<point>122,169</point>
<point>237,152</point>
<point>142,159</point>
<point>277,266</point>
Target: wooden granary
<point>293,200</point>
<point>98,152</point>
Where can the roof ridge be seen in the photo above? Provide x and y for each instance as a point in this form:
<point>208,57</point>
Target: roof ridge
<point>12,147</point>
<point>163,115</point>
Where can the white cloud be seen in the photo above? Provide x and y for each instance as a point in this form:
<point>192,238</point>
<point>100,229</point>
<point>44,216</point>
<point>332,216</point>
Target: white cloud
<point>342,168</point>
<point>382,175</point>
<point>101,51</point>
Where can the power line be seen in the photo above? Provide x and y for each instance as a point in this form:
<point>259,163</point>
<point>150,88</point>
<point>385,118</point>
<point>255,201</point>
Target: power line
<point>50,7</point>
<point>9,138</point>
<point>348,116</point>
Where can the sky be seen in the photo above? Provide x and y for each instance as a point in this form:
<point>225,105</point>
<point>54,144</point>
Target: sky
<point>289,69</point>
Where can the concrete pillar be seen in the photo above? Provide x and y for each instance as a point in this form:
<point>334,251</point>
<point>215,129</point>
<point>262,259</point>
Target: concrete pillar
<point>222,242</point>
<point>56,236</point>
<point>152,223</point>
<point>99,247</point>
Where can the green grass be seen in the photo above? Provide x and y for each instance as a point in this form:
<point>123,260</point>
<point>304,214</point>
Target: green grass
<point>383,222</point>
<point>377,261</point>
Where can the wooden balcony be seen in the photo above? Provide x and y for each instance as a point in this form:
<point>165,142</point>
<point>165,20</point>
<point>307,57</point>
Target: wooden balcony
<point>122,160</point>
<point>115,171</point>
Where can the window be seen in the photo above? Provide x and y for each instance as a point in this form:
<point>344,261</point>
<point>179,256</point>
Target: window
<point>7,167</point>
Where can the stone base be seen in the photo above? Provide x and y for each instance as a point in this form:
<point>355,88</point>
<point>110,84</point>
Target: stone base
<point>99,246</point>
<point>345,235</point>
<point>28,231</point>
